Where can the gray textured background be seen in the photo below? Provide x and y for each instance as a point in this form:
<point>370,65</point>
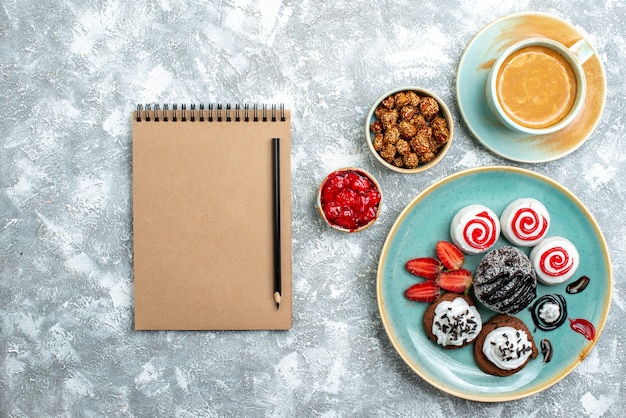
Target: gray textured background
<point>72,71</point>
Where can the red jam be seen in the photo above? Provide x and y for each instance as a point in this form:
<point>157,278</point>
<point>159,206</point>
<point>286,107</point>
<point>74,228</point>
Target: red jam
<point>583,327</point>
<point>349,199</point>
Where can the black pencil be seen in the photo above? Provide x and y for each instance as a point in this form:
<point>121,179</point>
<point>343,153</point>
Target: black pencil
<point>276,192</point>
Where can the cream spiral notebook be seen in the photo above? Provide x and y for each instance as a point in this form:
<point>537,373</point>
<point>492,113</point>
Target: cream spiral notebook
<point>203,217</point>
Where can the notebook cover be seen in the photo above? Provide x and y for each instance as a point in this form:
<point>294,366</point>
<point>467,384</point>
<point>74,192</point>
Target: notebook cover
<point>203,224</point>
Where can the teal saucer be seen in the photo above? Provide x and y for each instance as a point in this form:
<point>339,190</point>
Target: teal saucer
<point>474,67</point>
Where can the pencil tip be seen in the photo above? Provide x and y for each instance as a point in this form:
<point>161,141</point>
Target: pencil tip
<point>277,299</point>
<point>277,305</point>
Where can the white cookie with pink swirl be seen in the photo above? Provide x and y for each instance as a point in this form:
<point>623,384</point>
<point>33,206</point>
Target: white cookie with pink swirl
<point>525,222</point>
<point>555,260</point>
<point>475,229</point>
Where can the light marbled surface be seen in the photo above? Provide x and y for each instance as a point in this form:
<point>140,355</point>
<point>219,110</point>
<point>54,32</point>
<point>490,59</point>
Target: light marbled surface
<point>71,72</point>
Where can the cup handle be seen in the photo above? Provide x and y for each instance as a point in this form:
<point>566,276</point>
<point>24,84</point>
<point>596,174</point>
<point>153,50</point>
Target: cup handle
<point>582,51</point>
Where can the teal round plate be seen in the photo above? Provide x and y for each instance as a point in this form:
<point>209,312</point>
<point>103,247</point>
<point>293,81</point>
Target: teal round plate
<point>426,220</point>
<point>475,64</point>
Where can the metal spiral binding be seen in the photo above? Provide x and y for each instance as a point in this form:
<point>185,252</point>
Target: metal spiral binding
<point>212,112</point>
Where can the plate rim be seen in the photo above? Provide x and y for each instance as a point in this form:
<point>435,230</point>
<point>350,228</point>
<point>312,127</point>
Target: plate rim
<point>469,124</point>
<point>394,229</point>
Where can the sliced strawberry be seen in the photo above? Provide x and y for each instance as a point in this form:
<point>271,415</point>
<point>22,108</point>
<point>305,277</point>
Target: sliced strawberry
<point>426,267</point>
<point>458,281</point>
<point>450,255</point>
<point>427,291</point>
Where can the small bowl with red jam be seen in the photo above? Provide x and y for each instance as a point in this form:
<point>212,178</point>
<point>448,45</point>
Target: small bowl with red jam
<point>409,129</point>
<point>349,199</point>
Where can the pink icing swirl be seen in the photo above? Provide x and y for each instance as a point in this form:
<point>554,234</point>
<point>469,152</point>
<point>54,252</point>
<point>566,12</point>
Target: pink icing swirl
<point>556,261</point>
<point>480,231</point>
<point>528,225</point>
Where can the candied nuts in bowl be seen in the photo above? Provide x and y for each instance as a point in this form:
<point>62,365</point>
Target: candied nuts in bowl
<point>349,199</point>
<point>409,129</point>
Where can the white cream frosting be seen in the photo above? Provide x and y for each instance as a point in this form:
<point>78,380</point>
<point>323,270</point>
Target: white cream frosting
<point>549,312</point>
<point>525,222</point>
<point>555,260</point>
<point>475,229</point>
<point>456,322</point>
<point>507,348</point>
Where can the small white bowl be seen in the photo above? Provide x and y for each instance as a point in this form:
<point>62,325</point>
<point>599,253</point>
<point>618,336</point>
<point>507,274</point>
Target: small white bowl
<point>443,112</point>
<point>335,225</point>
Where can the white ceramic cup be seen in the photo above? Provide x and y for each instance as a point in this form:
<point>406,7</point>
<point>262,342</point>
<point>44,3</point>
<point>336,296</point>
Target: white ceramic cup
<point>576,56</point>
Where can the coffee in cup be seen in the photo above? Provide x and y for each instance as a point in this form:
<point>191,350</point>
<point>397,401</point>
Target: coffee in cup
<point>537,86</point>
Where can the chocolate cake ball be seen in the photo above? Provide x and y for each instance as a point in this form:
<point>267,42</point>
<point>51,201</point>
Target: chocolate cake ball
<point>505,280</point>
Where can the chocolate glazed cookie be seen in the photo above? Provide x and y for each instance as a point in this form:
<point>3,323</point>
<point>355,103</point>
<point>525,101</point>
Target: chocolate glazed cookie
<point>505,280</point>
